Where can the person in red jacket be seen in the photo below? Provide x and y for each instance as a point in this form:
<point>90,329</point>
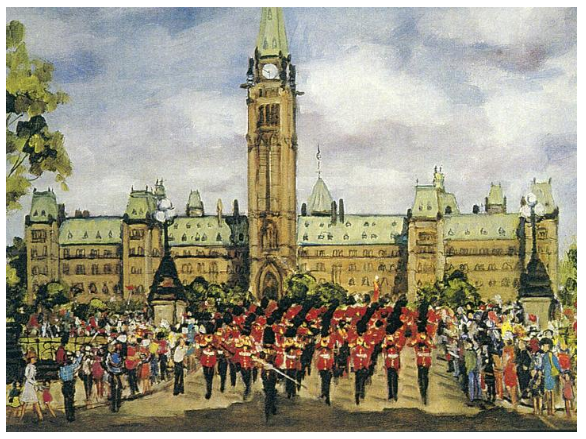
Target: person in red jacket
<point>245,356</point>
<point>361,363</point>
<point>392,345</point>
<point>324,362</point>
<point>292,362</point>
<point>422,345</point>
<point>208,359</point>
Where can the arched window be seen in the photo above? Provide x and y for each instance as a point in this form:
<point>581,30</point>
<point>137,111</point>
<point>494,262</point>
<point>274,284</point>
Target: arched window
<point>448,210</point>
<point>351,282</point>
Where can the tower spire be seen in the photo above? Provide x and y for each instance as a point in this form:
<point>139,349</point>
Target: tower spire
<point>318,157</point>
<point>272,39</point>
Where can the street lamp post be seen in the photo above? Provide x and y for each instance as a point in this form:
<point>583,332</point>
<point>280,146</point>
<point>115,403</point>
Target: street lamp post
<point>167,295</point>
<point>165,214</point>
<point>535,291</point>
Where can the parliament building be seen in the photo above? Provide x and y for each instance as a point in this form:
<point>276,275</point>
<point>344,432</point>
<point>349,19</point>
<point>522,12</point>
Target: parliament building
<point>115,257</point>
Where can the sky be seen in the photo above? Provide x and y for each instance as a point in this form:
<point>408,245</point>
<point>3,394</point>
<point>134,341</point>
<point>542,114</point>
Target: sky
<point>489,94</point>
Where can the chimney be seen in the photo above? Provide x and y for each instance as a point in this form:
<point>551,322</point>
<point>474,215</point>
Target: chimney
<point>304,209</point>
<point>235,209</point>
<point>341,210</point>
<point>77,213</point>
<point>219,208</point>
<point>334,212</point>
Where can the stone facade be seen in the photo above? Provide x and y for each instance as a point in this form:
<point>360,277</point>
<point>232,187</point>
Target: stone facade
<point>118,256</point>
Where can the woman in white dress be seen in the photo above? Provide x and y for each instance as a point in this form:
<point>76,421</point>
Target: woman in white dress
<point>29,392</point>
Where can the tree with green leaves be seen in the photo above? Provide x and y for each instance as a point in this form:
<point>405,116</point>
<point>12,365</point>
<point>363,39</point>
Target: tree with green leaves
<point>458,291</point>
<point>329,292</point>
<point>569,276</point>
<point>15,276</point>
<point>299,285</point>
<point>52,294</point>
<point>31,148</point>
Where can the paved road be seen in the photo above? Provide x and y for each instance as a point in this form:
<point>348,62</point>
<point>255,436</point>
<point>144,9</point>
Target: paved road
<point>447,410</point>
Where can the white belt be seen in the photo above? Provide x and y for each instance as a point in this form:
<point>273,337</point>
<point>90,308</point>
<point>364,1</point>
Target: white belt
<point>361,355</point>
<point>424,354</point>
<point>325,356</point>
<point>393,356</point>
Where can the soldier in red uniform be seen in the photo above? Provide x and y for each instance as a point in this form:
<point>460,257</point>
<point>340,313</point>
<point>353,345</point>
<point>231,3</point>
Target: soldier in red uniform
<point>245,354</point>
<point>222,355</point>
<point>291,365</point>
<point>361,363</point>
<point>325,363</point>
<point>422,345</point>
<point>392,345</point>
<point>208,359</point>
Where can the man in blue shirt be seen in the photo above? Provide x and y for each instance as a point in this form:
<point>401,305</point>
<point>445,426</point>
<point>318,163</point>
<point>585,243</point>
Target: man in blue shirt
<point>67,374</point>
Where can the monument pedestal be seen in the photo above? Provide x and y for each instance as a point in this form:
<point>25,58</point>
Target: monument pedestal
<point>169,310</point>
<point>167,297</point>
<point>539,307</point>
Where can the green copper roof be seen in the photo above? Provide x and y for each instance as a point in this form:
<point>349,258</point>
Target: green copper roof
<point>43,205</point>
<point>542,191</point>
<point>206,231</point>
<point>141,205</point>
<point>430,200</point>
<point>272,38</point>
<point>320,200</point>
<point>481,226</point>
<point>354,230</point>
<point>97,230</point>
<point>495,196</point>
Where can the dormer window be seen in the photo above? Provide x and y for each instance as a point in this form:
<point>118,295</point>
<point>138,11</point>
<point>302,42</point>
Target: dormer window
<point>36,213</point>
<point>306,224</point>
<point>451,232</point>
<point>305,237</point>
<point>110,234</point>
<point>219,237</point>
<point>348,224</point>
<point>69,235</point>
<point>374,236</point>
<point>98,236</point>
<point>197,237</point>
<point>501,231</point>
<point>366,224</point>
<point>204,237</point>
<point>394,223</point>
<point>346,237</point>
<point>43,213</point>
<point>188,225</point>
<point>184,237</point>
<point>364,235</point>
<point>85,235</point>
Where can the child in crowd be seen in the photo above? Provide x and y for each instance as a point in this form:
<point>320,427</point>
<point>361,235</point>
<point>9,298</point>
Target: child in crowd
<point>14,400</point>
<point>536,390</point>
<point>568,392</point>
<point>47,397</point>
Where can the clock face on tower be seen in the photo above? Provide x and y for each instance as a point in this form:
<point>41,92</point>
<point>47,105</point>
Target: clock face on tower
<point>270,71</point>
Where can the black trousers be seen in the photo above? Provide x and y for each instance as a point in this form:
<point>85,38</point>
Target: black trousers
<point>115,392</point>
<point>393,383</point>
<point>163,366</point>
<point>269,384</point>
<point>68,390</point>
<point>423,380</point>
<point>290,386</point>
<point>247,378</point>
<point>233,375</point>
<point>208,373</point>
<point>178,385</point>
<point>360,384</point>
<point>326,380</point>
<point>222,370</point>
<point>87,385</point>
<point>133,381</point>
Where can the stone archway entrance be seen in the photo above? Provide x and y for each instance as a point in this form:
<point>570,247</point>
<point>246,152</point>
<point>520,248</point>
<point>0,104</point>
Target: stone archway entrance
<point>270,284</point>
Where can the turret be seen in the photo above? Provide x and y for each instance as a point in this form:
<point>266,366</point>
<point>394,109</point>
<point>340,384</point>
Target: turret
<point>495,202</point>
<point>194,206</point>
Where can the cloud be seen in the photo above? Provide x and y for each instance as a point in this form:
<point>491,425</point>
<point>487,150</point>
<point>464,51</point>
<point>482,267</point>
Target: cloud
<point>490,94</point>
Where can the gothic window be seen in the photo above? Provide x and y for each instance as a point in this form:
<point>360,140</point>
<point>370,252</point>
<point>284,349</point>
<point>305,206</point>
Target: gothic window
<point>65,268</point>
<point>269,236</point>
<point>79,269</point>
<point>382,253</point>
<point>39,235</point>
<point>505,282</point>
<point>352,267</point>
<point>107,269</point>
<point>93,253</point>
<point>381,267</point>
<point>80,253</point>
<point>491,267</point>
<point>491,283</point>
<point>105,289</point>
<point>353,252</point>
<point>140,251</point>
<point>107,253</point>
<point>365,281</point>
<point>93,288</point>
<point>351,282</point>
<point>464,267</point>
<point>35,270</point>
<point>320,266</point>
<point>95,269</point>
